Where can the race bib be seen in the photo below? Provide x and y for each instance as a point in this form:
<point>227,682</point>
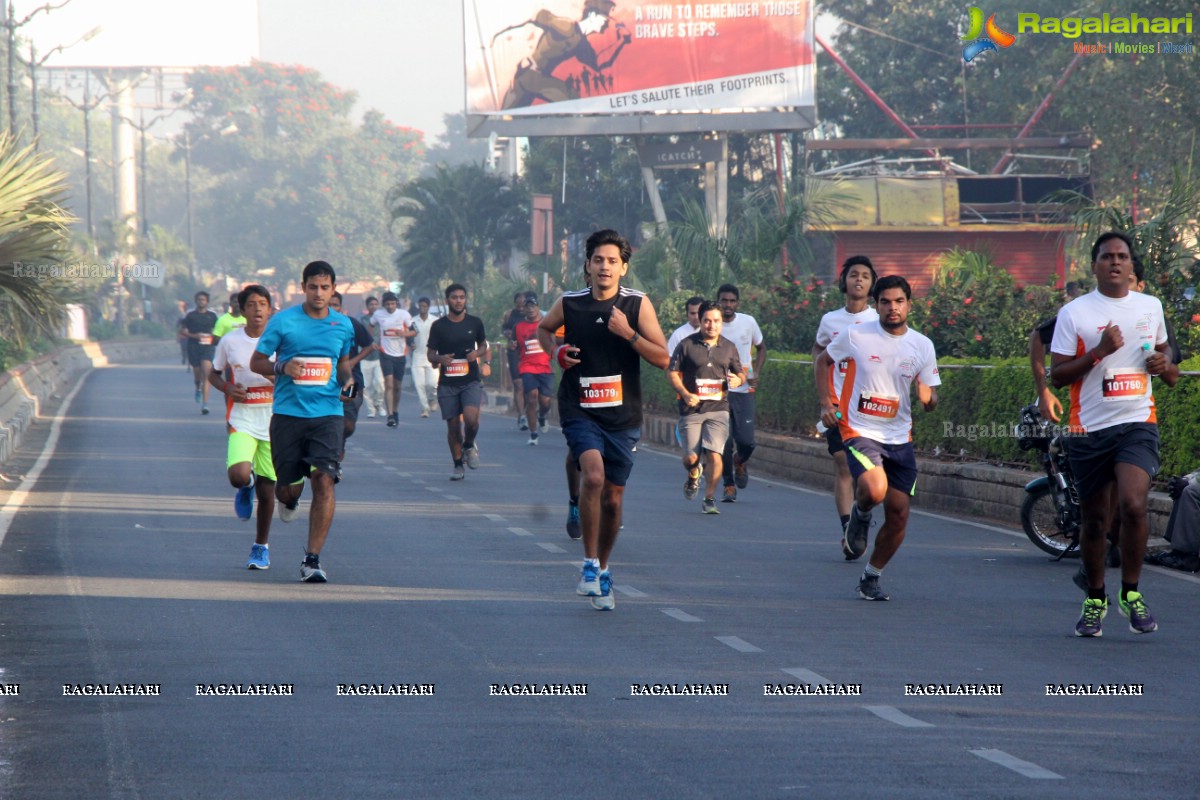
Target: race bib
<point>314,371</point>
<point>458,368</point>
<point>259,395</point>
<point>393,333</point>
<point>533,347</point>
<point>600,392</point>
<point>205,339</point>
<point>884,406</point>
<point>1124,384</point>
<point>710,389</point>
<point>842,366</point>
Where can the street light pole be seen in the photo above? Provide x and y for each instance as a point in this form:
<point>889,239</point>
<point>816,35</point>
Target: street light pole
<point>35,62</point>
<point>11,25</point>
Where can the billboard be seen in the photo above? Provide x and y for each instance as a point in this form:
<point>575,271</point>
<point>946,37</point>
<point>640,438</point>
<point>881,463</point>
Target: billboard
<point>557,67</point>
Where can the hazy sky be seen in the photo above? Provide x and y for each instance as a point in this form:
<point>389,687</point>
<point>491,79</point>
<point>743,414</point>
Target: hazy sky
<point>403,57</point>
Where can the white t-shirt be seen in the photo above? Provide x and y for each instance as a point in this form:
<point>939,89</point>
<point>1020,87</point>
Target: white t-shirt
<point>252,417</point>
<point>391,330</point>
<point>743,331</point>
<point>420,342</point>
<point>832,325</point>
<point>1117,390</point>
<point>682,332</point>
<point>876,401</point>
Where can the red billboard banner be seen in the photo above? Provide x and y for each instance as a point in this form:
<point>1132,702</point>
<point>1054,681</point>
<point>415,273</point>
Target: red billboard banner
<point>556,58</point>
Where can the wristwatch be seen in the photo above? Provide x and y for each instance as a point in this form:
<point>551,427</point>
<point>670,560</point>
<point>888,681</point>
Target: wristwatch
<point>633,339</point>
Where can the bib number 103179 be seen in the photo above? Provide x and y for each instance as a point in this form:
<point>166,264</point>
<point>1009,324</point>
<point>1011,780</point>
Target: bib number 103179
<point>600,392</point>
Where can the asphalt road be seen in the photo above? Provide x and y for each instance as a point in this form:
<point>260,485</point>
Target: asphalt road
<point>124,564</point>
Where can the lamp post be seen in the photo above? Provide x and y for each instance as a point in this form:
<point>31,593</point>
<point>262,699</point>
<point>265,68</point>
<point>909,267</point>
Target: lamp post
<point>142,126</point>
<point>89,105</point>
<point>35,62</point>
<point>11,25</point>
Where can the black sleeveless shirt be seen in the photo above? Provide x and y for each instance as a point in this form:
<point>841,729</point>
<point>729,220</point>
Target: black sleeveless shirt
<point>606,386</point>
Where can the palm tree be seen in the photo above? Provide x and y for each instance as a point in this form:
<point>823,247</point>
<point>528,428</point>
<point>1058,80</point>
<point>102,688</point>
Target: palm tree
<point>33,234</point>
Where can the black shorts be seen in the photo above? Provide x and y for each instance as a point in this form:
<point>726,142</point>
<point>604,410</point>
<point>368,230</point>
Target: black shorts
<point>300,444</point>
<point>453,398</point>
<point>514,365</point>
<point>833,440</point>
<point>899,462</point>
<point>391,365</point>
<point>198,353</point>
<point>1094,455</point>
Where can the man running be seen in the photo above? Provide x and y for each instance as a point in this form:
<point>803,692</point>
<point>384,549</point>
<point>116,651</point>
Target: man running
<point>198,326</point>
<point>1106,347</point>
<point>311,344</point>
<point>362,346</point>
<point>424,374</point>
<point>537,379</point>
<point>373,384</point>
<point>229,320</point>
<point>248,456</point>
<point>702,367</point>
<point>513,354</point>
<point>458,345</point>
<point>743,331</point>
<point>609,330</point>
<point>393,325</point>
<point>855,281</point>
<point>688,327</point>
<point>884,358</point>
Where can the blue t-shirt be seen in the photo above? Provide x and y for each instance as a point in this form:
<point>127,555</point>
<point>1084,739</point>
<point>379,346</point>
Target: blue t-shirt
<point>320,343</point>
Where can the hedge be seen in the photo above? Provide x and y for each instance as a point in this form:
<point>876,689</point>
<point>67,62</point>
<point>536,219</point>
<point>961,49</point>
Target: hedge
<point>980,400</point>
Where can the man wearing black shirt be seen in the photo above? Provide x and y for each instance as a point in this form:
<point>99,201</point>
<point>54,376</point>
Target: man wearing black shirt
<point>197,327</point>
<point>458,345</point>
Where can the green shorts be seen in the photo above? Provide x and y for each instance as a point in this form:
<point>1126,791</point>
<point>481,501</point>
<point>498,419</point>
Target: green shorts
<point>243,447</point>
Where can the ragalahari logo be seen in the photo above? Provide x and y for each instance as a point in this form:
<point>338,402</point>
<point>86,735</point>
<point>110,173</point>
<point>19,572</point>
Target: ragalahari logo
<point>983,36</point>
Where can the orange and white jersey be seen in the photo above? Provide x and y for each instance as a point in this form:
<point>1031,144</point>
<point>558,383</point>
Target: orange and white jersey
<point>876,393</point>
<point>1117,390</point>
<point>833,325</point>
<point>252,416</point>
<point>391,330</point>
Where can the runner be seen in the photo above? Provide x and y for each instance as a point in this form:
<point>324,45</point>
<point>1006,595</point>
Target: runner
<point>248,456</point>
<point>689,327</point>
<point>702,367</point>
<point>392,326</point>
<point>373,383</point>
<point>198,326</point>
<point>609,330</point>
<point>457,343</point>
<point>229,320</point>
<point>513,354</point>
<point>875,416</point>
<point>362,346</point>
<point>855,281</point>
<point>1106,347</point>
<point>537,379</point>
<point>424,374</point>
<point>571,466</point>
<point>743,331</point>
<point>308,340</point>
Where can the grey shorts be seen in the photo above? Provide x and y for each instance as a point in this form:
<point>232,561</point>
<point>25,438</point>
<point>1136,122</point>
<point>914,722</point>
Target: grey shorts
<point>453,398</point>
<point>708,428</point>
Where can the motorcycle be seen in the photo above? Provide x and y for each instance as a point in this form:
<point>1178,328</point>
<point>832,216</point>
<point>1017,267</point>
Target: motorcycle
<point>1050,513</point>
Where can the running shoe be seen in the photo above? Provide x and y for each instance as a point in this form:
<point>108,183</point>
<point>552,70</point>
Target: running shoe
<point>471,455</point>
<point>691,486</point>
<point>522,425</point>
<point>1134,607</point>
<point>741,476</point>
<point>543,427</point>
<point>243,502</point>
<point>573,529</point>
<point>310,570</point>
<point>709,506</point>
<point>393,420</point>
<point>856,532</point>
<point>458,474</point>
<point>371,414</point>
<point>589,581</point>
<point>607,600</point>
<point>204,408</point>
<point>1089,621</point>
<point>868,589</point>
<point>533,440</point>
<point>260,558</point>
<point>286,513</point>
<point>730,495</point>
<point>425,414</point>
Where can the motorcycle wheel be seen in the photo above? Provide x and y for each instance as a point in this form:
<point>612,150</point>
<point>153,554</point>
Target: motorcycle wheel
<point>1039,518</point>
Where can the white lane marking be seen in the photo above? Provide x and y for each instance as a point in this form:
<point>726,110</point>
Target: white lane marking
<point>893,714</point>
<point>494,517</point>
<point>741,645</point>
<point>434,489</point>
<point>550,548</point>
<point>1026,768</point>
<point>628,591</point>
<point>390,468</point>
<point>806,675</point>
<point>377,460</point>
<point>404,474</point>
<point>17,498</point>
<point>452,497</point>
<point>522,532</point>
<point>682,616</point>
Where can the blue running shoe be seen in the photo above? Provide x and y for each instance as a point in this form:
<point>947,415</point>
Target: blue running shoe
<point>573,528</point>
<point>607,600</point>
<point>243,502</point>
<point>260,558</point>
<point>589,581</point>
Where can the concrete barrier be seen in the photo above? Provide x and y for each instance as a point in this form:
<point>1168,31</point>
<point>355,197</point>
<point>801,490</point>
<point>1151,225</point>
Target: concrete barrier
<point>25,389</point>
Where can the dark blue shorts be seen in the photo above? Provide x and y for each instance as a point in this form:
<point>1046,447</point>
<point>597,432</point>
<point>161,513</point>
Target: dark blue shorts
<point>1094,456</point>
<point>833,440</point>
<point>543,382</point>
<point>899,462</point>
<point>616,447</point>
